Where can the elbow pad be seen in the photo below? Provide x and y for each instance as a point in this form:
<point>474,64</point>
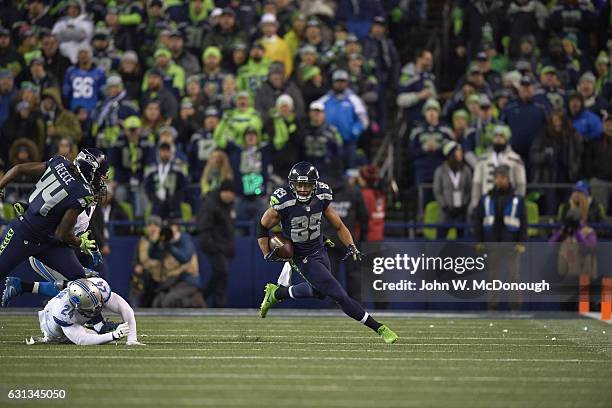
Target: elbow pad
<point>262,232</point>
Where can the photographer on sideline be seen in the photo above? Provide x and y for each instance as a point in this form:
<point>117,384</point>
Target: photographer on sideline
<point>577,254</point>
<point>166,268</point>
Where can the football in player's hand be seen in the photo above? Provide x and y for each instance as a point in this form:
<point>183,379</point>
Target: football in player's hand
<point>285,246</point>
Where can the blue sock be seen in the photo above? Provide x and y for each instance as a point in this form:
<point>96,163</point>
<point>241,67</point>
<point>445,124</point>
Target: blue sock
<point>47,289</point>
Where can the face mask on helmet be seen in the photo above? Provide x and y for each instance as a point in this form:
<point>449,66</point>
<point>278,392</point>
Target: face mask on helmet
<point>303,190</point>
<point>92,166</point>
<point>85,297</point>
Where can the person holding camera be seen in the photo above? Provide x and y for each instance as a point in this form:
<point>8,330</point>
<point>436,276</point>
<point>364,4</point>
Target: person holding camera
<point>577,254</point>
<point>166,270</point>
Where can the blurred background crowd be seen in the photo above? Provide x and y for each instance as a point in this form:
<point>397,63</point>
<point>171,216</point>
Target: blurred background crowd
<point>414,111</point>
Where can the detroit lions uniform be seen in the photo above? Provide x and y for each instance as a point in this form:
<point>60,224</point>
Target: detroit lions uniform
<point>60,322</point>
<point>301,223</point>
<point>32,234</point>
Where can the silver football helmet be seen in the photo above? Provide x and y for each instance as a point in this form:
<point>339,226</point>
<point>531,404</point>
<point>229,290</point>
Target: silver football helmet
<point>85,297</point>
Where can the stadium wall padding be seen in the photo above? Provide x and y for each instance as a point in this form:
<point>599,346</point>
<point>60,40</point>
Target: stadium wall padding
<point>248,275</point>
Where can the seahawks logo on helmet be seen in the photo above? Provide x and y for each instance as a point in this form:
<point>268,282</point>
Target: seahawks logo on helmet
<point>92,165</point>
<point>303,179</point>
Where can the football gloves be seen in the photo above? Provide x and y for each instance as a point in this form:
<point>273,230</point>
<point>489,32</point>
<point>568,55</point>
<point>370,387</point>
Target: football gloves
<point>87,245</point>
<point>354,253</point>
<point>121,331</point>
<point>96,257</point>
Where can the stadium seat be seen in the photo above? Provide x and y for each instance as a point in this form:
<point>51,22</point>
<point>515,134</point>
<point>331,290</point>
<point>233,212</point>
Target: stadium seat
<point>533,217</point>
<point>432,216</point>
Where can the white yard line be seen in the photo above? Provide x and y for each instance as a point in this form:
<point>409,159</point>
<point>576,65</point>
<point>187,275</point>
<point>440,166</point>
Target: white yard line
<point>303,358</point>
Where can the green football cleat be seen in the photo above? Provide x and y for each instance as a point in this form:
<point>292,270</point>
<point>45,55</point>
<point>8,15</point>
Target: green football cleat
<point>268,301</point>
<point>387,334</point>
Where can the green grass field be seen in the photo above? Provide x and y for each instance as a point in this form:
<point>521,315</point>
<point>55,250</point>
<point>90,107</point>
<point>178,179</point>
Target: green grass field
<point>243,361</point>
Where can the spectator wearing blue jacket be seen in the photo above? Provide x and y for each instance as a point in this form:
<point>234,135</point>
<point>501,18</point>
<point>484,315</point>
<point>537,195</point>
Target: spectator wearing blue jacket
<point>525,116</point>
<point>586,123</point>
<point>347,112</point>
<point>83,83</point>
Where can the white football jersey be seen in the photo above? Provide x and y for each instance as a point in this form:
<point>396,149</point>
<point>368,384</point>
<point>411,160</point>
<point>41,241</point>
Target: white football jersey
<point>59,312</point>
<point>82,222</point>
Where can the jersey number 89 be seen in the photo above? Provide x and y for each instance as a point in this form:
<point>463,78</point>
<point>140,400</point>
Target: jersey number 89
<point>305,228</point>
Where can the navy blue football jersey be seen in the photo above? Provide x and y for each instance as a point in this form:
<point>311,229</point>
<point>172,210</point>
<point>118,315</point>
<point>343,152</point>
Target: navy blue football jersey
<point>301,222</point>
<point>57,191</point>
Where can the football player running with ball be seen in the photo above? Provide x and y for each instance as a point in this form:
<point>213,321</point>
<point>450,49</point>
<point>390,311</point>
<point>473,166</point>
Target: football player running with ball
<point>299,209</point>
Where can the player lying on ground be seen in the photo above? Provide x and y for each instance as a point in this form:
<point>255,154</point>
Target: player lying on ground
<point>299,209</point>
<point>63,319</point>
<point>46,229</point>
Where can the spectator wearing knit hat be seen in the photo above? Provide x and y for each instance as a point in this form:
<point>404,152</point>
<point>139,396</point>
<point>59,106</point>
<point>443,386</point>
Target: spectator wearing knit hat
<point>322,142</point>
<point>212,73</point>
<point>345,110</point>
<point>105,55</point>
<point>586,123</point>
<point>378,47</point>
<point>55,62</point>
<point>236,121</point>
<point>592,101</point>
<point>182,57</point>
<point>124,22</point>
<point>73,31</point>
<point>550,91</point>
<point>225,35</point>
<point>154,89</point>
<point>165,182</point>
<point>276,85</point>
<point>38,75</point>
<point>426,142</point>
<point>501,153</point>
<point>127,158</point>
<point>111,111</point>
<point>277,49</point>
<point>525,17</point>
<point>452,186</point>
<point>590,210</point>
<point>131,74</point>
<point>525,116</point>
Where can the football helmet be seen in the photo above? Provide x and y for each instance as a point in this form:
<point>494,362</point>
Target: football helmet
<point>92,165</point>
<point>303,179</point>
<point>85,297</point>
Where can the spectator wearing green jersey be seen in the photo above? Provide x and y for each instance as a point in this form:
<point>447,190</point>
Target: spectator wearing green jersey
<point>236,121</point>
<point>255,71</point>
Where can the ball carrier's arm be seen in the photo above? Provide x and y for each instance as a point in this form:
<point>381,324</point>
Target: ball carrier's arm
<point>268,220</point>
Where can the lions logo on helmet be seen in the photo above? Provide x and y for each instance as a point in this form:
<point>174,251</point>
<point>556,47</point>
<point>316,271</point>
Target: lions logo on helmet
<point>85,297</point>
<point>303,179</point>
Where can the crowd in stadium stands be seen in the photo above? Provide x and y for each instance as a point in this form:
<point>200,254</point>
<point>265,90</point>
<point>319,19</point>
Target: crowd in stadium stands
<point>186,95</point>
